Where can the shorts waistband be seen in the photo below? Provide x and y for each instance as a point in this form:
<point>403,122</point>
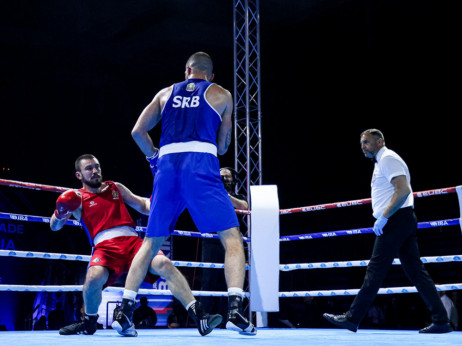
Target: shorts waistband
<point>114,232</point>
<point>184,147</point>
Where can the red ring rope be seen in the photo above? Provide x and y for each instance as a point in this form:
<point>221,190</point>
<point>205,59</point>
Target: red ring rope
<point>426,193</point>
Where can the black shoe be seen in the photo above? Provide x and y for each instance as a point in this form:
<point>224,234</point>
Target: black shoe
<point>205,323</point>
<point>236,320</point>
<point>341,321</point>
<point>123,322</point>
<point>437,328</point>
<point>87,327</point>
<point>240,324</point>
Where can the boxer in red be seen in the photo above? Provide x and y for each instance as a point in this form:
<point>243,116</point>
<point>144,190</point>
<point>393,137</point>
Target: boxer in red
<point>100,205</point>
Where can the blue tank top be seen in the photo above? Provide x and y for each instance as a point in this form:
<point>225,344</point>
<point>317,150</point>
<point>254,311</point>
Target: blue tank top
<point>187,116</point>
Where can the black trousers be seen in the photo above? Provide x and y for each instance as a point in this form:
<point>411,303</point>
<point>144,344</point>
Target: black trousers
<point>399,239</point>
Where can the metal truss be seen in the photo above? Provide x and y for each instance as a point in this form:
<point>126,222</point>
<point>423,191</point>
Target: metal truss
<point>247,109</point>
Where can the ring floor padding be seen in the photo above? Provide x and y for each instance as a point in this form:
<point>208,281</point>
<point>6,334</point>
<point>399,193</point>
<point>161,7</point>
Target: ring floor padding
<point>222,337</point>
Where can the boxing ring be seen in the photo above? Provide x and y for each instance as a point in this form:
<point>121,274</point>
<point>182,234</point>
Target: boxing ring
<point>265,336</point>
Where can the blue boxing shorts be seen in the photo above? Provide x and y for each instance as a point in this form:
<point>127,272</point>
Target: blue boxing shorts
<point>189,180</point>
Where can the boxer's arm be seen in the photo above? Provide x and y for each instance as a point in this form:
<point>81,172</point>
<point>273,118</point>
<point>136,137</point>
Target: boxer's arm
<point>402,191</point>
<point>149,118</point>
<point>56,224</point>
<point>67,204</point>
<point>140,204</point>
<point>239,203</point>
<point>225,129</point>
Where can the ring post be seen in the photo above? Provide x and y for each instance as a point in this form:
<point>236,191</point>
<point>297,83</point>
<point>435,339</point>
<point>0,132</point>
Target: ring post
<point>264,251</point>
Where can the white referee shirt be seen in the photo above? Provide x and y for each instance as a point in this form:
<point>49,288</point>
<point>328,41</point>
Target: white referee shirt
<point>388,166</point>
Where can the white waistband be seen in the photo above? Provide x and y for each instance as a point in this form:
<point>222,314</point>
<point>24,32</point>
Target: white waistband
<point>114,232</point>
<point>184,147</point>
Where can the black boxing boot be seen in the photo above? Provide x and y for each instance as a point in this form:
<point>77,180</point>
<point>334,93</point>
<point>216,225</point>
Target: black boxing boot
<point>236,320</point>
<point>205,323</point>
<point>87,327</point>
<point>123,322</point>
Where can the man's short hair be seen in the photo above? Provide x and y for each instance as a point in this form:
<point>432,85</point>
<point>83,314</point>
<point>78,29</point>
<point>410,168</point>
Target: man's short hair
<point>233,173</point>
<point>374,132</point>
<point>80,158</point>
<point>201,62</point>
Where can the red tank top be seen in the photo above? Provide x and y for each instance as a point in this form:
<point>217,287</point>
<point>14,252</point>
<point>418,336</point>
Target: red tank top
<point>104,210</point>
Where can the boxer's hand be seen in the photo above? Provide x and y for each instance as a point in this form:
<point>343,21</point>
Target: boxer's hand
<point>66,203</point>
<point>153,162</point>
<point>379,225</point>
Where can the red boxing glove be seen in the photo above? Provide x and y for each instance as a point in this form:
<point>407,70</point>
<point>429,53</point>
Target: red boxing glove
<point>66,203</point>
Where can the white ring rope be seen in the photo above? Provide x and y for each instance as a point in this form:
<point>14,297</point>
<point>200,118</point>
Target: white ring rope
<point>322,293</point>
<point>86,258</point>
<point>387,290</point>
<point>79,288</point>
<point>282,267</point>
<point>364,263</point>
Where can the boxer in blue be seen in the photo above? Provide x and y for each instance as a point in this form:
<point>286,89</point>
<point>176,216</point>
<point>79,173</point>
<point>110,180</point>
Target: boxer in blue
<point>196,119</point>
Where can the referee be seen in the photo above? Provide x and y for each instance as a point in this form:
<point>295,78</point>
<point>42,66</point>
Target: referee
<point>396,231</point>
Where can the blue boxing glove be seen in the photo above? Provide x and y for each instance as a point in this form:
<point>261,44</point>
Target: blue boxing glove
<point>153,162</point>
<point>379,225</point>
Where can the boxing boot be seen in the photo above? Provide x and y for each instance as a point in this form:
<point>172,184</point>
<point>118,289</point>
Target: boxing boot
<point>123,323</point>
<point>87,327</point>
<point>205,323</point>
<point>236,320</point>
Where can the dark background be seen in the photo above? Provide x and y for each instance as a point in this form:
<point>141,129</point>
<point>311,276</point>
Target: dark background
<point>75,76</point>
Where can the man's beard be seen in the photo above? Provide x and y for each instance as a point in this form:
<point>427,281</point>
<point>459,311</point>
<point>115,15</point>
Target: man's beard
<point>229,187</point>
<point>94,183</point>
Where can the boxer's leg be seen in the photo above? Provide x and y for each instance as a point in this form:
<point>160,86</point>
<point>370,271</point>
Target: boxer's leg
<point>92,294</point>
<point>178,285</point>
<point>235,274</point>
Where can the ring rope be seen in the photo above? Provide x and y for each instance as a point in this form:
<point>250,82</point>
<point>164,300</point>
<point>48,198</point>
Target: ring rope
<point>364,263</point>
<point>393,290</point>
<point>33,186</point>
<point>43,219</point>
<point>358,202</point>
<point>86,258</point>
<point>79,288</point>
<point>427,224</point>
<point>282,267</point>
<point>386,290</point>
<point>44,255</point>
<point>51,188</point>
<point>321,293</point>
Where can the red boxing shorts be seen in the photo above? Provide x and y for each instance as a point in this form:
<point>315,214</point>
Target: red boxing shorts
<point>116,255</point>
